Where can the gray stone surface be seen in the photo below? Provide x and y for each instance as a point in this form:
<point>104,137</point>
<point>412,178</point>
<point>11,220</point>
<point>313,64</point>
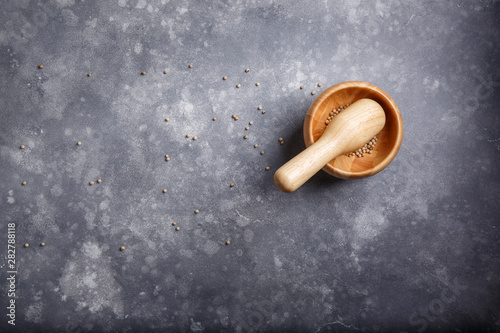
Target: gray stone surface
<point>413,248</point>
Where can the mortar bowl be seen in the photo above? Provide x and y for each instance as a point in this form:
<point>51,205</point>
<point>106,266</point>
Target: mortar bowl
<point>388,140</point>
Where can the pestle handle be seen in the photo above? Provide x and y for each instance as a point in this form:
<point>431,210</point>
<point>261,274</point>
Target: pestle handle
<point>348,131</point>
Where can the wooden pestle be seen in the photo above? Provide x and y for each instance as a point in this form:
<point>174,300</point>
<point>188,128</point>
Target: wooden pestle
<point>349,130</point>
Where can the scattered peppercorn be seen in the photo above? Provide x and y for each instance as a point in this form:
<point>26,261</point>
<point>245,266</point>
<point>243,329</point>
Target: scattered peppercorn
<point>250,123</point>
<point>238,85</point>
<point>188,135</point>
<point>177,229</point>
<point>91,183</point>
<point>99,180</point>
<point>313,92</point>
<point>268,168</point>
<point>255,145</point>
<point>245,137</point>
<point>320,84</point>
<point>195,138</point>
<point>247,128</point>
<point>122,248</point>
<point>259,107</point>
<point>262,152</point>
<point>263,111</point>
<point>174,223</point>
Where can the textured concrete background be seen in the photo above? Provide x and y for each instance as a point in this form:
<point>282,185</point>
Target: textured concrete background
<point>413,248</point>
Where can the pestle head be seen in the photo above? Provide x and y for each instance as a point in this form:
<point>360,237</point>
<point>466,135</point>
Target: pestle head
<point>355,126</point>
<point>349,130</point>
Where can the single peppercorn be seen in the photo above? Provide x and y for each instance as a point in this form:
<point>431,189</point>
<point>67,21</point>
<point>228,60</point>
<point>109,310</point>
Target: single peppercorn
<point>262,152</point>
<point>259,107</point>
<point>165,72</point>
<point>40,66</point>
<point>89,74</point>
<point>42,244</point>
<point>224,77</point>
<point>257,84</point>
<point>24,182</point>
<point>26,244</point>
<point>188,135</point>
<point>247,70</point>
<point>167,119</point>
<point>177,229</point>
<point>214,119</point>
<point>195,138</point>
<point>247,128</point>
<point>196,211</point>
<point>78,143</point>
<point>320,84</point>
<point>22,146</point>
<point>174,223</point>
<point>313,92</point>
<point>190,66</point>
<point>301,87</point>
<point>91,183</point>
<point>228,242</point>
<point>238,85</point>
<point>122,248</point>
<point>250,123</point>
<point>263,111</point>
<point>231,185</point>
<point>99,180</point>
<point>245,137</point>
<point>164,190</point>
<point>268,168</point>
<point>255,145</point>
<point>143,73</point>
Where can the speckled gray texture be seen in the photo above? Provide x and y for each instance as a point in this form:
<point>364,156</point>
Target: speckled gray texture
<point>414,248</point>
